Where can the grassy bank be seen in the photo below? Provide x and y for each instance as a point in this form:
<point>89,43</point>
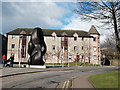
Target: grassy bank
<point>105,80</point>
<point>71,64</point>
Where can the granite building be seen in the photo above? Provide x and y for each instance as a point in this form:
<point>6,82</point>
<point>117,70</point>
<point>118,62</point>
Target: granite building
<point>62,45</point>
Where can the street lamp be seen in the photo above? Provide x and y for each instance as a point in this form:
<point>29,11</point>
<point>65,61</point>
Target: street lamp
<point>20,51</point>
<point>53,57</point>
<point>68,56</point>
<point>63,58</point>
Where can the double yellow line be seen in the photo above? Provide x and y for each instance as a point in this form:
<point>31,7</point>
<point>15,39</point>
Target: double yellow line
<point>67,84</point>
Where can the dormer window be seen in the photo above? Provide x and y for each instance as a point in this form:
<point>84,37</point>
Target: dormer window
<point>75,38</point>
<point>53,37</point>
<point>13,36</point>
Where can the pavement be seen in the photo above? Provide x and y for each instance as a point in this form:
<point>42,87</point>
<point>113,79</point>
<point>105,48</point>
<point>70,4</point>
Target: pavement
<point>77,83</point>
<point>15,70</point>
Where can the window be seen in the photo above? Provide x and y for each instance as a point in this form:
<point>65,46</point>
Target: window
<point>82,47</point>
<point>98,49</point>
<point>13,36</point>
<point>53,57</point>
<point>53,47</point>
<point>75,48</point>
<point>94,39</point>
<point>21,36</point>
<point>98,57</point>
<point>13,46</point>
<point>94,57</point>
<point>23,51</point>
<point>12,54</point>
<point>94,48</point>
<point>82,38</point>
<point>82,57</point>
<point>75,38</point>
<point>23,45</point>
<point>98,40</point>
<point>53,37</point>
<point>70,56</point>
<point>64,38</point>
<point>24,36</point>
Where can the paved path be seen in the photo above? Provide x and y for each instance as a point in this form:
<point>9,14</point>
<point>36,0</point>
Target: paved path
<point>81,82</point>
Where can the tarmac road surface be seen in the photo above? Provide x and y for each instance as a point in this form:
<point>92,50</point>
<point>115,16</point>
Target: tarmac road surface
<point>51,78</point>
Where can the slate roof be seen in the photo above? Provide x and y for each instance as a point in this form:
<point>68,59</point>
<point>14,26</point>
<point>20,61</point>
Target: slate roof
<point>48,32</point>
<point>93,30</point>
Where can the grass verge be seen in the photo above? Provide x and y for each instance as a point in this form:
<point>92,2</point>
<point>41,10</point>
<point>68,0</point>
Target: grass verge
<point>72,64</point>
<point>106,80</point>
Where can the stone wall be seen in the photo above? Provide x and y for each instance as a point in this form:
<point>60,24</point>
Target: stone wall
<point>115,62</point>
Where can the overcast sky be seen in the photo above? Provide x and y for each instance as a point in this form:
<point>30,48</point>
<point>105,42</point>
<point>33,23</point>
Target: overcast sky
<point>51,15</point>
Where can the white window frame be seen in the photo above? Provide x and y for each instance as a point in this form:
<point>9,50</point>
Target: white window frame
<point>75,39</point>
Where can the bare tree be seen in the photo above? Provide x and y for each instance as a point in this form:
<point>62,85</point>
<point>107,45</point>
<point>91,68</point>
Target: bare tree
<point>108,48</point>
<point>106,12</point>
<point>86,50</point>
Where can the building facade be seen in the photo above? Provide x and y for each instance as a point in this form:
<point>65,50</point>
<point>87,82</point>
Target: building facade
<point>62,45</point>
<point>3,46</point>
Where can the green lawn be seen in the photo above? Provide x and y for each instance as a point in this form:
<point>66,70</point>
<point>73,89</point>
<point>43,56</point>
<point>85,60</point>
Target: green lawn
<point>105,80</point>
<point>71,64</point>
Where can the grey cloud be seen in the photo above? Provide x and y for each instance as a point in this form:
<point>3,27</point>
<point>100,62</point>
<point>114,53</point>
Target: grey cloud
<point>31,14</point>
<point>8,10</point>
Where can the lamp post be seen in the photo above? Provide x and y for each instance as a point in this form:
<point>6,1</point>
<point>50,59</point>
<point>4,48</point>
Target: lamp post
<point>53,60</point>
<point>53,57</point>
<point>68,57</point>
<point>20,52</point>
<point>63,58</point>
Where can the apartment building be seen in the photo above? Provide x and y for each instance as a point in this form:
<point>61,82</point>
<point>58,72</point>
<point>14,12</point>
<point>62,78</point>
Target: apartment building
<point>62,45</point>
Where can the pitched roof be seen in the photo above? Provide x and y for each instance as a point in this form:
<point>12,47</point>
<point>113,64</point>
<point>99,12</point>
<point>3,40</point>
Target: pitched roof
<point>93,30</point>
<point>48,32</point>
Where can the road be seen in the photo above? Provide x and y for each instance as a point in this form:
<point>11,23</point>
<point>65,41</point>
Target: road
<point>51,78</point>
